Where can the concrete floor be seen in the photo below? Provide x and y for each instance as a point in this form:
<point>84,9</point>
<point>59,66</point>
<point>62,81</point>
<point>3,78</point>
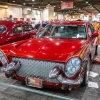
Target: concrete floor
<point>82,93</point>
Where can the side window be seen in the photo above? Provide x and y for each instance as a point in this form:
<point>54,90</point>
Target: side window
<point>17,30</point>
<point>27,27</point>
<point>89,30</point>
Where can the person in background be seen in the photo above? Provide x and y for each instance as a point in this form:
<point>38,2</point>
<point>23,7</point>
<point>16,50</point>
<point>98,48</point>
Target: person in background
<point>99,34</point>
<point>10,17</point>
<point>95,25</point>
<point>33,22</point>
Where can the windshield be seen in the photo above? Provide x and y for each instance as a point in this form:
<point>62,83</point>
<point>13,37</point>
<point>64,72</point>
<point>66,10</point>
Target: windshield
<point>27,27</point>
<point>64,31</point>
<point>2,29</point>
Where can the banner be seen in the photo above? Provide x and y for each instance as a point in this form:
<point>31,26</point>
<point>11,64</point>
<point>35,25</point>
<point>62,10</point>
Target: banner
<point>21,19</point>
<point>66,5</point>
<point>90,14</point>
<point>16,19</point>
<point>28,19</point>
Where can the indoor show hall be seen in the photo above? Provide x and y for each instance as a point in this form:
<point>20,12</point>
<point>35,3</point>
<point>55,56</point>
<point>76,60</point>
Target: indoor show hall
<point>49,49</point>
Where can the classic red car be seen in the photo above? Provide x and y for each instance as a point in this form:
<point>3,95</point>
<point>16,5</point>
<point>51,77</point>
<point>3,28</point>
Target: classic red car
<point>12,31</point>
<point>59,57</point>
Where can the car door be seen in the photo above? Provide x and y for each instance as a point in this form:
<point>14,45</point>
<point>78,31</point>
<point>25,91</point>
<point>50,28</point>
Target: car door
<point>16,34</point>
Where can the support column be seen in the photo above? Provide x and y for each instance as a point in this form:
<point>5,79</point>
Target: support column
<point>48,13</point>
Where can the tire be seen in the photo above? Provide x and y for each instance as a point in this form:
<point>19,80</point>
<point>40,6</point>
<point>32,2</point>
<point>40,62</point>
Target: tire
<point>86,74</point>
<point>96,53</point>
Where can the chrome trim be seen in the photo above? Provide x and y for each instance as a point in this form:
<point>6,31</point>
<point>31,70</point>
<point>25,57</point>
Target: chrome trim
<point>11,67</point>
<point>57,73</point>
<point>66,81</point>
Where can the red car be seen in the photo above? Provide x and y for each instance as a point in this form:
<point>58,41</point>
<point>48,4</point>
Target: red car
<point>12,31</point>
<point>59,57</point>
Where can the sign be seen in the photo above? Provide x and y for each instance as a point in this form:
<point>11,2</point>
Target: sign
<point>34,82</point>
<point>90,14</point>
<point>66,5</point>
<point>21,19</point>
<point>15,19</point>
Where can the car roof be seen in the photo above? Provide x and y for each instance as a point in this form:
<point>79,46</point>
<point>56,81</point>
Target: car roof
<point>71,22</point>
<point>11,22</point>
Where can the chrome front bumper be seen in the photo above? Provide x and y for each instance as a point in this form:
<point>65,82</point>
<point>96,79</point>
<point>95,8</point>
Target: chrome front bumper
<point>63,80</point>
<point>57,73</point>
<point>11,68</point>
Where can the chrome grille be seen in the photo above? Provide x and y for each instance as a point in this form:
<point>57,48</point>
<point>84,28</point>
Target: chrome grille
<point>37,68</point>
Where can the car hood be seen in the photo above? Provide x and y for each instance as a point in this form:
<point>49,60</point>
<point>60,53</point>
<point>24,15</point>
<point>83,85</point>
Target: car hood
<point>48,49</point>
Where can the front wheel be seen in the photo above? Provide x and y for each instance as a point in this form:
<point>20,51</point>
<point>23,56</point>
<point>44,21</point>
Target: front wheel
<point>86,74</point>
<point>96,50</point>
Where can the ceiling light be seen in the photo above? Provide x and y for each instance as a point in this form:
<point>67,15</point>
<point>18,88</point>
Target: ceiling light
<point>13,1</point>
<point>32,5</point>
<point>54,6</point>
<point>32,0</point>
<point>29,9</point>
<point>61,1</point>
<point>24,3</point>
<point>86,1</point>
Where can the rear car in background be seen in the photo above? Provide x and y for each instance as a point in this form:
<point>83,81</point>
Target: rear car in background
<point>12,31</point>
<point>59,57</point>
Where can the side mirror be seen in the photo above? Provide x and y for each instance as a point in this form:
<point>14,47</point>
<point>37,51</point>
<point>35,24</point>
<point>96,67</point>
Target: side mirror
<point>95,34</point>
<point>34,32</point>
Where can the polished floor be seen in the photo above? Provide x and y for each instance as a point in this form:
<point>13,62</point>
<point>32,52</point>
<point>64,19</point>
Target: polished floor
<point>91,92</point>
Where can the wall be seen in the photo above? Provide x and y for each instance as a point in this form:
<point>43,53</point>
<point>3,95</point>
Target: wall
<point>60,17</point>
<point>3,12</point>
<point>15,11</point>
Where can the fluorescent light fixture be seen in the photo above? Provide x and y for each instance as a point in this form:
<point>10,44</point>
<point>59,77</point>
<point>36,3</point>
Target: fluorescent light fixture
<point>28,8</point>
<point>87,2</point>
<point>24,3</point>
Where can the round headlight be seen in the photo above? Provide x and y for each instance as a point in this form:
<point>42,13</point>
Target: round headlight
<point>3,58</point>
<point>72,66</point>
<point>1,54</point>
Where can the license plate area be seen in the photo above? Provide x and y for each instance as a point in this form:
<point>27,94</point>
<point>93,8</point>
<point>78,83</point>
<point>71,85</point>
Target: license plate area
<point>34,82</point>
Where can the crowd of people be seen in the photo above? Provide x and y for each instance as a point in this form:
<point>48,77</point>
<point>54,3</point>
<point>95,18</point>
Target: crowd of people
<point>97,28</point>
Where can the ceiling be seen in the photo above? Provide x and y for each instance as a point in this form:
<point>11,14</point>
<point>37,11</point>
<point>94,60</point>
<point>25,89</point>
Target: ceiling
<point>80,6</point>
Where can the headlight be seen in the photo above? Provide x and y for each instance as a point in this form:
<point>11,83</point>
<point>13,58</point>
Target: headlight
<point>3,59</point>
<point>72,66</point>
